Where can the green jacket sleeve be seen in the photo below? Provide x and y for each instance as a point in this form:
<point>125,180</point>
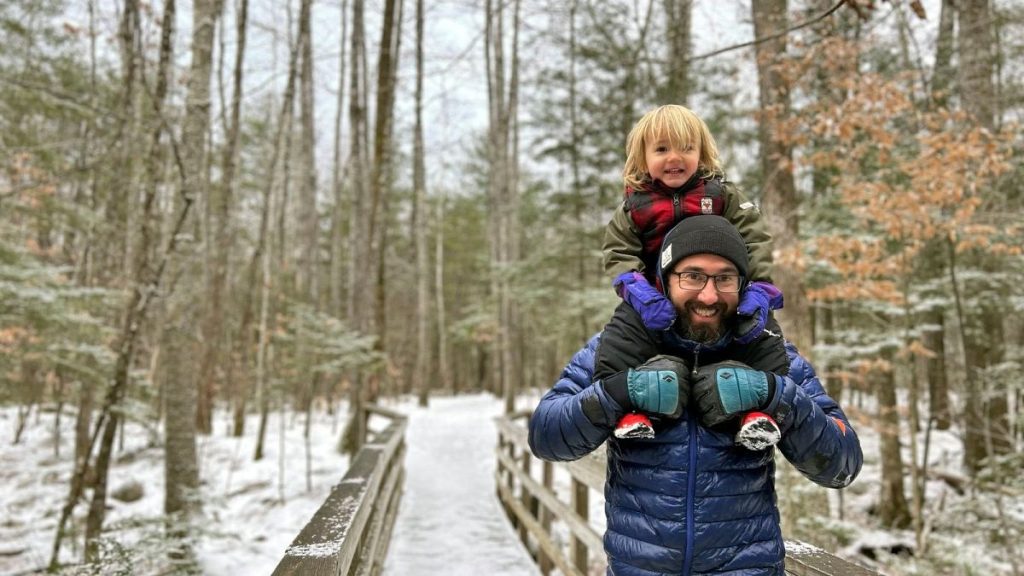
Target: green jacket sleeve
<point>746,217</point>
<point>622,246</point>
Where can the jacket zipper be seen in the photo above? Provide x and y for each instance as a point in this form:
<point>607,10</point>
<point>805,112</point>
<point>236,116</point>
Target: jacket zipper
<point>691,485</point>
<point>675,207</point>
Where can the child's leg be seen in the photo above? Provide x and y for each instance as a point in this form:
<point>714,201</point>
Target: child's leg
<point>758,431</point>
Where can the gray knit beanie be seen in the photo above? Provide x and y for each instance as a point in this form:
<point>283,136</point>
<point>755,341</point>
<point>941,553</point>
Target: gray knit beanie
<point>704,234</point>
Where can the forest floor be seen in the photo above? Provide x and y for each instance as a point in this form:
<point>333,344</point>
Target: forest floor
<point>253,510</point>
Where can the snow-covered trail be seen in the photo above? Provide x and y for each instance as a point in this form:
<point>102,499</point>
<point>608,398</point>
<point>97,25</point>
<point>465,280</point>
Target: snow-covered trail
<point>449,520</point>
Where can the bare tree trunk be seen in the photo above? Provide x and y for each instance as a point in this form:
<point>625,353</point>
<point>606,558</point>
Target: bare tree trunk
<point>422,372</point>
<point>893,511</point>
<point>494,56</point>
<point>780,201</point>
<point>259,264</point>
<point>387,66</point>
<point>944,74</point>
<point>977,89</point>
<point>83,421</point>
<point>121,195</point>
<point>978,96</point>
<point>148,274</point>
<point>579,199</point>
<point>337,270</point>
<point>502,188</point>
<point>182,385</point>
<point>677,32</point>
<point>443,366</point>
<point>512,364</point>
<point>221,202</point>
<point>181,468</point>
<point>357,274</point>
<point>358,302</point>
<point>306,194</point>
<point>974,442</point>
<point>938,388</point>
<point>262,347</point>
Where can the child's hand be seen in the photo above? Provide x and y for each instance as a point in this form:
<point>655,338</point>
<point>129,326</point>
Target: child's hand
<point>752,313</point>
<point>655,310</point>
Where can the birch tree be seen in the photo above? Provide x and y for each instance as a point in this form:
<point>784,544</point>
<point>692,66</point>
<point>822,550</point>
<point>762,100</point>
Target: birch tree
<point>183,468</point>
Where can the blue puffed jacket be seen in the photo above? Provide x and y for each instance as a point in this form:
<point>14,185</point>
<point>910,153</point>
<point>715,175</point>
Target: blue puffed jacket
<point>690,501</point>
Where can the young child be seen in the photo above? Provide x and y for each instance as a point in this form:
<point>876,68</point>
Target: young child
<point>672,171</point>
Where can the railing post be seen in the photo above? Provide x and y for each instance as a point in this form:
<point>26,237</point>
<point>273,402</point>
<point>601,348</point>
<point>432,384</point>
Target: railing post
<point>545,516</point>
<point>530,504</point>
<point>580,502</point>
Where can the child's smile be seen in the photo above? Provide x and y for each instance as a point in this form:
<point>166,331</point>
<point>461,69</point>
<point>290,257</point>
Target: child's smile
<point>671,164</point>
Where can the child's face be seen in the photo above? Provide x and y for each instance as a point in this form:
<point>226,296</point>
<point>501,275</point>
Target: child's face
<point>671,164</point>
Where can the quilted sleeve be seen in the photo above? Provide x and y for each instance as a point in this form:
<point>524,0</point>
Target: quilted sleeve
<point>559,429</point>
<point>817,437</point>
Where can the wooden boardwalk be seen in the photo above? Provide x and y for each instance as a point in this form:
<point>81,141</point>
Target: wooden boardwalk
<point>453,489</point>
<point>449,520</point>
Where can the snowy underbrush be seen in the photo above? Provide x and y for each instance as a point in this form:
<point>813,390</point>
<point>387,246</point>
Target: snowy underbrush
<point>251,511</point>
<point>970,528</point>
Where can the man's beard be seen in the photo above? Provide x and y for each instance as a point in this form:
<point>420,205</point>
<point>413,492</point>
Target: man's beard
<point>705,333</point>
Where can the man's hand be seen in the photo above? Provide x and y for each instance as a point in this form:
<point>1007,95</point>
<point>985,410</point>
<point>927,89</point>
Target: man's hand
<point>656,312</point>
<point>752,313</point>
<point>659,386</point>
<point>723,391</point>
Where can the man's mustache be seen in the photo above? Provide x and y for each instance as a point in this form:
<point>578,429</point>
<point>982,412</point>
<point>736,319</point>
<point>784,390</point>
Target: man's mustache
<point>718,306</point>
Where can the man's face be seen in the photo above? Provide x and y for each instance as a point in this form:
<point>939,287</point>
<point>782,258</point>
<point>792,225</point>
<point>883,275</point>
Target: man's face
<point>703,313</point>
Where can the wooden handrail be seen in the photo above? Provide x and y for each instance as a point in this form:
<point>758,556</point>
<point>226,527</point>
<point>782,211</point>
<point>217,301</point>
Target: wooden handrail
<point>532,505</point>
<point>350,532</point>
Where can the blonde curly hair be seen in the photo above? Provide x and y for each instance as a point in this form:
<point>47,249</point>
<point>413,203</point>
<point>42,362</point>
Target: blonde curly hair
<point>682,128</point>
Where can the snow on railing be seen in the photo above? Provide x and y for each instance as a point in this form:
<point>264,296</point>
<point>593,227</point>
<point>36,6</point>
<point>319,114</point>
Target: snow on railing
<point>562,535</point>
<point>350,532</point>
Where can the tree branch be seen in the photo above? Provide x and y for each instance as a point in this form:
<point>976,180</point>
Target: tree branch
<point>770,37</point>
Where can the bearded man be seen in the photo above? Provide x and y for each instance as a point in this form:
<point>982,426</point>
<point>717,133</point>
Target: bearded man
<point>690,500</point>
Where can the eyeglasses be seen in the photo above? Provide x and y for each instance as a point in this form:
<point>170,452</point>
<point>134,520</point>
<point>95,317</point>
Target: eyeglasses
<point>691,280</point>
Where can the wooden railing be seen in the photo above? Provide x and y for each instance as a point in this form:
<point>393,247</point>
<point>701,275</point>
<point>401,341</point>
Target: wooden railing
<point>349,534</point>
<point>559,532</point>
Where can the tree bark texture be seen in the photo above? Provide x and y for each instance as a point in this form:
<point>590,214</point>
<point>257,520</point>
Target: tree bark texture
<point>307,218</point>
<point>387,69</point>
<point>422,371</point>
<point>780,202</point>
<point>678,44</point>
<point>502,189</point>
<point>259,263</point>
<point>977,89</point>
<point>893,510</point>
<point>943,75</point>
<point>342,204</point>
<point>359,301</point>
<point>935,367</point>
<point>181,466</point>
